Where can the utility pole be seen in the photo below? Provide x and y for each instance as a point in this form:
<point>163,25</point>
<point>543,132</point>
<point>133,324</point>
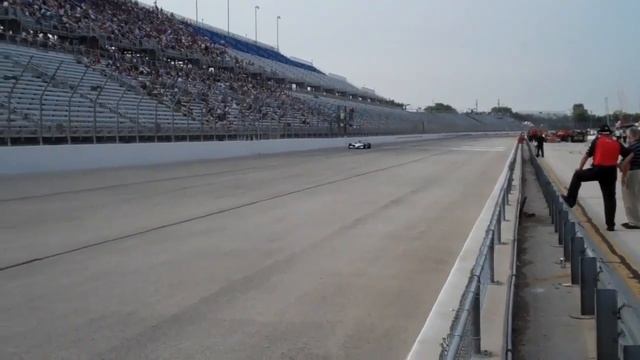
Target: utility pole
<point>197,12</point>
<point>228,22</point>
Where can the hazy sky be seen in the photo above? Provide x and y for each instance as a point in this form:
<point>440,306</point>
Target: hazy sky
<point>532,55</point>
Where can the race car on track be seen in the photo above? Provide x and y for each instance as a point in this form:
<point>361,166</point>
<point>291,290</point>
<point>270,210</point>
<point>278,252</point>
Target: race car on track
<point>359,145</point>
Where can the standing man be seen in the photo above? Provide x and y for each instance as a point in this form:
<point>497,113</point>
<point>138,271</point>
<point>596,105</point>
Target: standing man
<point>631,180</point>
<point>540,144</point>
<point>605,151</point>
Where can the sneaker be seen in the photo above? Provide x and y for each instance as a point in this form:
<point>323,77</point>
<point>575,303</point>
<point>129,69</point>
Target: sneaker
<point>611,228</point>
<point>630,227</point>
<point>568,202</point>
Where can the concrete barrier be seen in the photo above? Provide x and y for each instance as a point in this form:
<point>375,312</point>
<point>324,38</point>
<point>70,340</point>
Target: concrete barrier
<point>30,159</point>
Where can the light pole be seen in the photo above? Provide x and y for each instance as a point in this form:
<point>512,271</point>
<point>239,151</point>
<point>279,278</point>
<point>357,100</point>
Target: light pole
<point>256,13</point>
<point>278,32</point>
<point>196,12</point>
<point>606,108</point>
<point>228,22</point>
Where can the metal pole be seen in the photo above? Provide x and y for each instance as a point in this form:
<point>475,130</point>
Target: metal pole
<point>256,20</point>
<point>138,119</point>
<point>278,32</point>
<point>607,333</point>
<point>228,22</point>
<point>75,90</point>
<point>189,125</point>
<point>201,126</point>
<point>155,122</point>
<point>606,108</point>
<point>196,12</point>
<point>95,109</point>
<point>476,329</point>
<point>42,97</point>
<point>577,252</point>
<point>491,257</point>
<point>13,87</point>
<point>173,112</point>
<point>118,116</point>
<point>588,284</point>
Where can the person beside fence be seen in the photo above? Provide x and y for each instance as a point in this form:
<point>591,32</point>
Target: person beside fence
<point>605,151</point>
<point>631,180</point>
<point>540,140</point>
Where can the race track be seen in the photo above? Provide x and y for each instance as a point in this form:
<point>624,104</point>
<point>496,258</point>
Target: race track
<point>330,254</point>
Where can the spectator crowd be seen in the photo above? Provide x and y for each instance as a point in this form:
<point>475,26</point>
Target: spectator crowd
<point>161,54</point>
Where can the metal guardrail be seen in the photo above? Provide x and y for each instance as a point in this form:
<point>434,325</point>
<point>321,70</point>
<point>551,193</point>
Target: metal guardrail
<point>511,282</point>
<point>464,338</point>
<point>604,292</point>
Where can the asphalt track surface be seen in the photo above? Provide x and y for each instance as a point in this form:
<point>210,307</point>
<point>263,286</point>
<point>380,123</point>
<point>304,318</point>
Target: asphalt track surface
<point>330,254</point>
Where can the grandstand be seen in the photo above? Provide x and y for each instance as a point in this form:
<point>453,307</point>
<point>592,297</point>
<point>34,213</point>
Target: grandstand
<point>103,71</point>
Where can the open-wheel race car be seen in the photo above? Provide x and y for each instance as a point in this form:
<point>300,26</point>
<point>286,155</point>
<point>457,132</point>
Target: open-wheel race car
<point>359,145</point>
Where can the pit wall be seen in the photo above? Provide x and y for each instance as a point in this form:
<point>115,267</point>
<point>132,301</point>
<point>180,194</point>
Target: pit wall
<point>31,159</point>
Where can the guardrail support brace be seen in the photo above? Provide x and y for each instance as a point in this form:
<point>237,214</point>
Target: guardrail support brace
<point>492,263</point>
<point>564,217</point>
<point>498,229</point>
<point>577,252</point>
<point>475,326</point>
<point>588,285</point>
<point>630,352</point>
<point>607,324</point>
<point>569,234</point>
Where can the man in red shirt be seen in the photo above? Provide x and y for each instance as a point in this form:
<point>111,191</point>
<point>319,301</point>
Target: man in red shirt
<point>605,151</point>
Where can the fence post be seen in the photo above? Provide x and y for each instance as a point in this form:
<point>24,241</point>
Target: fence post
<point>553,209</point>
<point>607,323</point>
<point>550,202</point>
<point>588,284</point>
<point>155,122</point>
<point>138,119</point>
<point>46,87</point>
<point>173,113</point>
<point>95,109</point>
<point>118,116</point>
<point>189,124</point>
<point>13,87</point>
<point>569,235</point>
<point>75,90</point>
<point>630,352</point>
<point>561,225</point>
<point>577,252</point>
<point>492,263</point>
<point>476,329</point>
<point>498,227</point>
<point>504,204</point>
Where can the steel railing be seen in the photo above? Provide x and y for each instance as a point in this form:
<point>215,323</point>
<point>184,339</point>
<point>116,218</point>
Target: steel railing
<point>605,292</point>
<point>463,340</point>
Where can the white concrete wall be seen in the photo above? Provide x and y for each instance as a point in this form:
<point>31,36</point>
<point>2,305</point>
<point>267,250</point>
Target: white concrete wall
<point>29,159</point>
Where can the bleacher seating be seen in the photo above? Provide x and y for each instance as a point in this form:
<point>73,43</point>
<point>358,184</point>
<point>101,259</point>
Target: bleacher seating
<point>169,77</point>
<point>118,105</point>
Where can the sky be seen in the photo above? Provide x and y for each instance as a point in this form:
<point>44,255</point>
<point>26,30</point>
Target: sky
<point>542,55</point>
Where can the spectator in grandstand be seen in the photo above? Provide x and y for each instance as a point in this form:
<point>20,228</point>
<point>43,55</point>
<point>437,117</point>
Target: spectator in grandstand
<point>631,180</point>
<point>188,71</point>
